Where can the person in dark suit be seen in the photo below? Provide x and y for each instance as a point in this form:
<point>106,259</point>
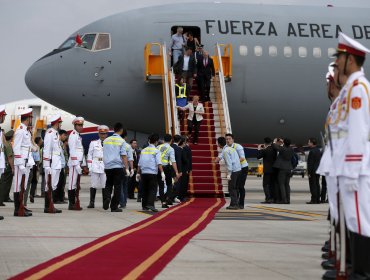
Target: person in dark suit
<point>187,168</point>
<point>206,71</point>
<point>177,142</point>
<point>268,154</point>
<point>132,184</point>
<point>284,164</point>
<point>313,162</point>
<point>186,67</point>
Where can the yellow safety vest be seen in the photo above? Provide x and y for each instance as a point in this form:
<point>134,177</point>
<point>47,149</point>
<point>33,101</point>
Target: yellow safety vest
<point>234,147</point>
<point>163,153</point>
<point>182,91</point>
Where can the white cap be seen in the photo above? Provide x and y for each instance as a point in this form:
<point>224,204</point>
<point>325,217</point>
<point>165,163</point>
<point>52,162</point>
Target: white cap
<point>55,119</point>
<point>2,110</point>
<point>348,45</point>
<point>26,112</point>
<point>103,128</point>
<point>78,120</point>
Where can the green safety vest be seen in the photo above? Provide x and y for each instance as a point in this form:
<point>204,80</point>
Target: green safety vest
<point>163,153</point>
<point>182,91</point>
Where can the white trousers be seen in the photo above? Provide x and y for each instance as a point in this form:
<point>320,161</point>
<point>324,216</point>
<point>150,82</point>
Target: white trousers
<point>98,180</point>
<point>332,187</point>
<point>17,178</point>
<point>356,205</point>
<point>54,179</point>
<point>72,178</point>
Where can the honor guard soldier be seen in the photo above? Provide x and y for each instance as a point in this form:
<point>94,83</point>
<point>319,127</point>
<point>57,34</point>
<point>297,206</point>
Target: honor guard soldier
<point>23,161</point>
<point>149,164</point>
<point>95,164</point>
<point>75,163</point>
<point>353,155</point>
<point>2,142</point>
<point>52,163</point>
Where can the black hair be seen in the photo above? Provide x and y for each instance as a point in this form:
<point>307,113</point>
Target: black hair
<point>181,141</point>
<point>190,34</point>
<point>287,142</point>
<point>167,138</point>
<point>229,134</point>
<point>117,127</point>
<point>133,140</point>
<point>24,118</point>
<point>221,141</point>
<point>153,138</point>
<point>177,138</point>
<point>62,131</point>
<point>360,60</point>
<point>313,141</point>
<point>37,139</point>
<point>267,140</point>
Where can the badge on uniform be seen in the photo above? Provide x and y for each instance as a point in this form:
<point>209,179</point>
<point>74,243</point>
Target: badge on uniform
<point>356,103</point>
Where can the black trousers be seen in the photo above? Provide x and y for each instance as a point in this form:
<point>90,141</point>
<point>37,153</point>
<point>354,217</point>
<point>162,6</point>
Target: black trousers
<point>132,184</point>
<point>314,182</point>
<point>61,185</point>
<point>233,189</point>
<point>195,125</point>
<point>113,183</point>
<point>240,182</point>
<point>149,189</point>
<point>323,189</point>
<point>167,169</point>
<point>184,183</point>
<point>283,181</point>
<point>268,185</point>
<point>204,83</point>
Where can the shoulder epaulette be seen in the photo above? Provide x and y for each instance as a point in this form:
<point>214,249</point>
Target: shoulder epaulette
<point>355,83</point>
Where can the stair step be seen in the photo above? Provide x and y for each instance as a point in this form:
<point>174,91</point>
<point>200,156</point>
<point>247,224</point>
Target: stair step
<point>202,147</point>
<point>206,179</point>
<point>196,173</point>
<point>205,166</point>
<point>200,159</point>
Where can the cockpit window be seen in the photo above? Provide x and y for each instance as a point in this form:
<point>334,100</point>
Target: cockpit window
<point>69,43</point>
<point>88,41</point>
<point>103,42</point>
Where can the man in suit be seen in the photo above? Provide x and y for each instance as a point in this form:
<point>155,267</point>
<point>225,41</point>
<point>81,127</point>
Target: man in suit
<point>313,162</point>
<point>187,67</point>
<point>284,164</point>
<point>187,168</point>
<point>132,184</point>
<point>177,142</point>
<point>268,154</point>
<point>206,71</point>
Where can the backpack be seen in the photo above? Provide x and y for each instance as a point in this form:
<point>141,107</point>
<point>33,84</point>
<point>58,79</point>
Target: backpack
<point>294,160</point>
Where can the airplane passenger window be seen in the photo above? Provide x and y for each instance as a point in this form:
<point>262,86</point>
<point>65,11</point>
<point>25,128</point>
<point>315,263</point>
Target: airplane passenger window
<point>243,50</point>
<point>302,52</point>
<point>69,43</point>
<point>273,51</point>
<point>88,41</point>
<point>317,52</point>
<point>103,42</point>
<point>257,50</point>
<point>288,52</point>
<point>331,52</point>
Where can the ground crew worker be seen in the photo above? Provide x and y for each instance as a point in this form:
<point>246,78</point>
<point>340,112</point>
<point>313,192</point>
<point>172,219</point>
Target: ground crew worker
<point>181,98</point>
<point>76,161</point>
<point>168,162</point>
<point>52,162</point>
<point>23,161</point>
<point>129,171</point>
<point>352,158</point>
<point>2,141</point>
<point>95,164</point>
<point>7,177</point>
<point>149,164</point>
<point>232,161</point>
<point>115,158</point>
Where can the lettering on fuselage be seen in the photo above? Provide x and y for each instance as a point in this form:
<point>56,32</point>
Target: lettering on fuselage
<point>299,29</point>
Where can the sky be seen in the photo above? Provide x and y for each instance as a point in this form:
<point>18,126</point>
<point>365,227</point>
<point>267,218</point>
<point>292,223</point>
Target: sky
<point>31,28</point>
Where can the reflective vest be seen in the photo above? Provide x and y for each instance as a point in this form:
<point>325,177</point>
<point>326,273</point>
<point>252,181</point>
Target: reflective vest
<point>182,91</point>
<point>164,153</point>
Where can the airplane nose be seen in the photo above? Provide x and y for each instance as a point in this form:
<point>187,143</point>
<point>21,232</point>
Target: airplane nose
<point>38,79</point>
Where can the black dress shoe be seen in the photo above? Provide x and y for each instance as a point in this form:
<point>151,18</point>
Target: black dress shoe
<point>164,205</point>
<point>325,248</point>
<point>325,255</point>
<point>27,210</point>
<point>330,274</point>
<point>232,208</point>
<point>151,208</point>
<point>9,200</point>
<point>328,264</point>
<point>32,200</point>
<point>309,202</point>
<point>1,218</point>
<point>116,210</point>
<point>241,206</point>
<point>106,203</point>
<point>145,209</point>
<point>2,204</point>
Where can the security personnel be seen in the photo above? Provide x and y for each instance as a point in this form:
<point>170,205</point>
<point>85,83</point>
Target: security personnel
<point>52,162</point>
<point>149,164</point>
<point>352,157</point>
<point>168,162</point>
<point>2,141</point>
<point>244,167</point>
<point>95,164</point>
<point>181,98</point>
<point>76,160</point>
<point>129,168</point>
<point>23,161</point>
<point>115,158</point>
<point>232,161</point>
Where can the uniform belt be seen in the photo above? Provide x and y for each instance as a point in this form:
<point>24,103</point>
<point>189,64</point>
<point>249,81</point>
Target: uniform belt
<point>339,135</point>
<point>98,158</point>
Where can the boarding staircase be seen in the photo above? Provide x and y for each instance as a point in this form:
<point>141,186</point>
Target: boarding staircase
<point>208,178</point>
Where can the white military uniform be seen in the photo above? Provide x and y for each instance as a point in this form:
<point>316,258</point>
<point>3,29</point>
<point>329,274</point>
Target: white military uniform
<point>23,159</point>
<point>76,158</point>
<point>52,157</point>
<point>95,164</point>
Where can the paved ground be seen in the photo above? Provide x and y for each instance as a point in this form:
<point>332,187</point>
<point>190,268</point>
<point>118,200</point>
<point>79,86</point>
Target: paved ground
<point>259,242</point>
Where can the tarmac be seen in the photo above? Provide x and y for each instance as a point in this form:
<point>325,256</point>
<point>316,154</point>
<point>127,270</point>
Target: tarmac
<point>263,241</point>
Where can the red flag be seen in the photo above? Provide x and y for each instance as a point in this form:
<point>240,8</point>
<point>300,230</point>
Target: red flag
<point>78,39</point>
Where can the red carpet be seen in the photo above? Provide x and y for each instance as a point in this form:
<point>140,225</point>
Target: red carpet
<point>140,251</point>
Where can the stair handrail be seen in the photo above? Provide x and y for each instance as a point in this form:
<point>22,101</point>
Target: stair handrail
<point>168,110</point>
<point>175,119</point>
<point>225,104</point>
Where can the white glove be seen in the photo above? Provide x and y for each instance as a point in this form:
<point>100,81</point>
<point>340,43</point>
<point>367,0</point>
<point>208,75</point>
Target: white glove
<point>78,169</point>
<point>351,184</point>
<point>228,177</point>
<point>22,169</point>
<point>132,172</point>
<point>47,170</point>
<point>137,177</point>
<point>163,176</point>
<point>127,172</point>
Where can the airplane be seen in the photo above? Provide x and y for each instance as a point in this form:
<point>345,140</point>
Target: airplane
<point>280,58</point>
